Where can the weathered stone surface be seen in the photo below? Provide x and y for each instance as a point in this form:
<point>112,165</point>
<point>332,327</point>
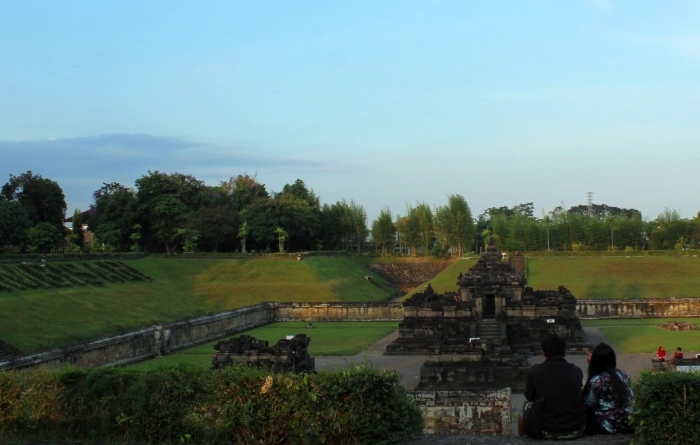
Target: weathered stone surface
<point>287,355</point>
<point>337,311</point>
<point>460,412</point>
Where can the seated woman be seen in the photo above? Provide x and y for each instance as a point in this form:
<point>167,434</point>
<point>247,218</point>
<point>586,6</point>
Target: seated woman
<point>661,354</point>
<point>607,394</point>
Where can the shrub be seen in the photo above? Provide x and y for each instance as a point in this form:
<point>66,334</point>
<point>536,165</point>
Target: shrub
<point>236,404</point>
<point>666,408</point>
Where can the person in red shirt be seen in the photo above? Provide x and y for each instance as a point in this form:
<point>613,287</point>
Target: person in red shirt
<point>661,354</point>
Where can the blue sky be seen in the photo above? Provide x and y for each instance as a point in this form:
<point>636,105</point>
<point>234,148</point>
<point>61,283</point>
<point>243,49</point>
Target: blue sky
<point>387,103</point>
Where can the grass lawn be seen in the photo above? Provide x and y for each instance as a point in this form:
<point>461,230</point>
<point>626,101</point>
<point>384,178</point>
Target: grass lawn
<point>617,277</point>
<point>181,288</point>
<point>327,338</point>
<point>645,335</point>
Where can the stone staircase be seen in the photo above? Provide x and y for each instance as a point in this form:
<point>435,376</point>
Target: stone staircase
<point>489,331</point>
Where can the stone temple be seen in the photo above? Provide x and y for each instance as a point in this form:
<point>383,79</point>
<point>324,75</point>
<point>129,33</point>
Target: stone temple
<point>479,337</point>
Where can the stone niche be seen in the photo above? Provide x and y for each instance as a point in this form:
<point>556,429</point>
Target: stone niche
<point>478,338</point>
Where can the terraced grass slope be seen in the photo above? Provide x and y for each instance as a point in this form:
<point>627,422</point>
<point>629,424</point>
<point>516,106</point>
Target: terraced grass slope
<point>37,319</point>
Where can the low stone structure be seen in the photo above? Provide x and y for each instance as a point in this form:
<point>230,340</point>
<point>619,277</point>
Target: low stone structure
<point>287,355</point>
<point>459,412</point>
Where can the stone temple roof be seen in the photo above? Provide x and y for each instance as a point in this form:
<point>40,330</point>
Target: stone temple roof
<point>491,270</point>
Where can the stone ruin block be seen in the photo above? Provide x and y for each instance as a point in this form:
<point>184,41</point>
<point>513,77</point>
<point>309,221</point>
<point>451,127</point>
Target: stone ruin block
<point>462,412</point>
<point>287,355</point>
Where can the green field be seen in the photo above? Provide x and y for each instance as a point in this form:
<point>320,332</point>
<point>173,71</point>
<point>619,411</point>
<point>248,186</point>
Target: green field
<point>645,335</point>
<point>327,338</point>
<point>617,277</point>
<point>33,320</point>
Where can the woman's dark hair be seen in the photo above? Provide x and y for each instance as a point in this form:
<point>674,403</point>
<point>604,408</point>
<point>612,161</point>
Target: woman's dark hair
<point>603,360</point>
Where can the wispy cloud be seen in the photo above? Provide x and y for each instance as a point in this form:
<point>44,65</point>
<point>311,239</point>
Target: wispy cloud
<point>81,165</point>
<point>684,45</point>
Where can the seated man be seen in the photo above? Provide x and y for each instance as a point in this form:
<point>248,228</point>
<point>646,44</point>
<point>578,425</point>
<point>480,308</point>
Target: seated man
<point>553,408</point>
<point>678,354</point>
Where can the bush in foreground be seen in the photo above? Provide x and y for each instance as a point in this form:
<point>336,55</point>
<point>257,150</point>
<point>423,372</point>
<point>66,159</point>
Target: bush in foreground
<point>238,404</point>
<point>667,408</point>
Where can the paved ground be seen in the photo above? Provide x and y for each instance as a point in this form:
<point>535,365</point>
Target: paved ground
<point>409,369</point>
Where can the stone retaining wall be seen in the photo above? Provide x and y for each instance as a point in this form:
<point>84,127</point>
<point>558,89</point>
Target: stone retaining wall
<point>148,342</point>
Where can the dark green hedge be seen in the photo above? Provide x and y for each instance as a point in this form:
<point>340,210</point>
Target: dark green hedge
<point>667,408</point>
<point>238,404</point>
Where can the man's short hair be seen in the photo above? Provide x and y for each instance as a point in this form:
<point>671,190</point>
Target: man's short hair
<point>553,345</point>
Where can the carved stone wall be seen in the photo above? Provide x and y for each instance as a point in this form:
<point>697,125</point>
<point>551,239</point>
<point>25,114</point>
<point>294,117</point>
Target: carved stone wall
<point>338,311</point>
<point>639,308</point>
<point>465,413</point>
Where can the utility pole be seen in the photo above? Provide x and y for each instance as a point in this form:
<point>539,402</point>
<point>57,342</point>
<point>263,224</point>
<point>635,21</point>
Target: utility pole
<point>590,203</point>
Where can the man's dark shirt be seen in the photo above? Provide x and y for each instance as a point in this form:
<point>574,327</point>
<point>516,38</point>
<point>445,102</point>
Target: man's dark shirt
<point>559,382</point>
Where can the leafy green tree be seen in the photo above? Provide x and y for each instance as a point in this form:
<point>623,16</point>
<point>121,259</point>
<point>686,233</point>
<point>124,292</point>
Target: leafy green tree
<point>358,220</point>
<point>281,237</point>
<point>384,231</point>
<point>243,234</point>
<point>135,237</point>
<point>243,190</point>
<point>14,224</point>
<point>410,230</point>
<point>113,215</point>
<point>441,227</point>
<point>42,199</point>
<point>298,210</point>
<point>667,230</point>
<point>45,237</point>
<point>217,225</point>
<point>77,232</point>
<point>425,221</point>
<point>167,204</point>
<point>461,223</point>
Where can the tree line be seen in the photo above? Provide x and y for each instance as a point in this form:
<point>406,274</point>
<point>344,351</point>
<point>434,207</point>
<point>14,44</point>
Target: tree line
<point>175,212</point>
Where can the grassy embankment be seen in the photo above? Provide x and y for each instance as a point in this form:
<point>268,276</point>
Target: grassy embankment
<point>617,277</point>
<point>33,320</point>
